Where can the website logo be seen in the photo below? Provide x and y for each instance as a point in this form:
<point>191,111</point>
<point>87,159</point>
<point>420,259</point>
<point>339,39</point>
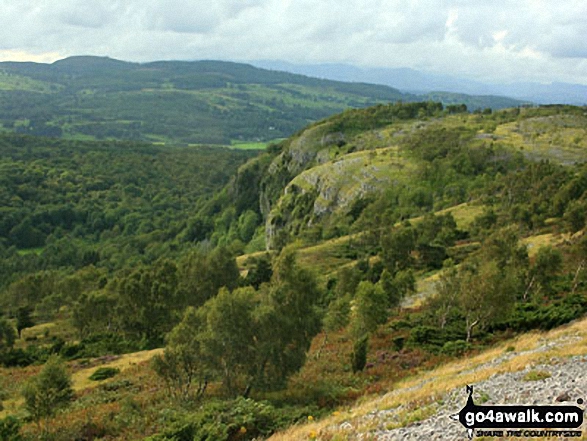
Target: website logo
<point>549,421</point>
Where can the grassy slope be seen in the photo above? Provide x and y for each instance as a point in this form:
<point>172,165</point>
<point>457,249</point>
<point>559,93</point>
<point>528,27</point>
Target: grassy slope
<point>375,169</point>
<point>329,256</point>
<point>558,138</point>
<point>419,390</point>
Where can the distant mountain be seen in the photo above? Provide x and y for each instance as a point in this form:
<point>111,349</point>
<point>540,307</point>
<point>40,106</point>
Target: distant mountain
<point>191,102</point>
<point>171,101</point>
<point>418,82</point>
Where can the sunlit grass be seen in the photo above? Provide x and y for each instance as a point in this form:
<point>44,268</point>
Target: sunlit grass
<point>81,379</point>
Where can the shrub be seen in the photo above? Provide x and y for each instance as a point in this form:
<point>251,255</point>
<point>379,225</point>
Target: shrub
<point>398,343</point>
<point>359,355</point>
<point>49,391</point>
<point>455,348</point>
<point>103,373</point>
<point>10,429</point>
<point>242,419</point>
<point>529,316</point>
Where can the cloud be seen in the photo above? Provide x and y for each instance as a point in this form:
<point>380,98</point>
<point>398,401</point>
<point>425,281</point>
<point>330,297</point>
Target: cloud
<point>536,39</point>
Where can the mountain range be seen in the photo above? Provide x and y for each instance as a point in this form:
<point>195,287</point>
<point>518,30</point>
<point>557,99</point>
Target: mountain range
<point>421,82</point>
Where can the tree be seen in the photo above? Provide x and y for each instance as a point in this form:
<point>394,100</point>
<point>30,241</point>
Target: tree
<point>574,216</point>
<point>547,264</point>
<point>503,247</point>
<point>10,429</point>
<point>49,391</point>
<point>396,288</point>
<point>292,317</point>
<point>94,312</point>
<point>359,354</point>
<point>23,319</point>
<point>246,338</point>
<point>396,248</point>
<point>370,308</point>
<point>7,335</point>
<point>148,301</point>
<point>338,313</point>
<point>447,292</point>
<point>202,275</point>
<point>182,363</point>
<point>260,273</point>
<point>228,339</point>
<point>485,294</point>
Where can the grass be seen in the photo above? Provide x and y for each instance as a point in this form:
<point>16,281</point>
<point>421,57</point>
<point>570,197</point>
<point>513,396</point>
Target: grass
<point>45,333</point>
<point>534,243</point>
<point>328,256</point>
<point>559,138</point>
<point>81,381</point>
<point>536,376</point>
<point>16,82</point>
<point>81,378</point>
<point>434,384</point>
<point>253,145</point>
<point>464,214</point>
<point>249,145</point>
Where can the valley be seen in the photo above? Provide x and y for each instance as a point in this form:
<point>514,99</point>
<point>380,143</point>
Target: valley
<point>346,282</point>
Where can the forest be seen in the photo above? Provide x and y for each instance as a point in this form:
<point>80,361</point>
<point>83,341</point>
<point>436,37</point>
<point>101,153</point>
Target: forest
<point>194,293</point>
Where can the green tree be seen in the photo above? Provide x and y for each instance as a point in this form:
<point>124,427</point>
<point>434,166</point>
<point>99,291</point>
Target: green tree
<point>547,264</point>
<point>148,301</point>
<point>10,429</point>
<point>247,224</point>
<point>293,317</point>
<point>504,248</point>
<point>396,288</point>
<point>396,248</point>
<point>359,354</point>
<point>338,313</point>
<point>447,293</point>
<point>23,319</point>
<point>49,391</point>
<point>7,335</point>
<point>182,365</point>
<point>260,273</point>
<point>94,313</point>
<point>485,294</point>
<point>229,337</point>
<point>575,215</point>
<point>370,308</point>
<point>202,275</point>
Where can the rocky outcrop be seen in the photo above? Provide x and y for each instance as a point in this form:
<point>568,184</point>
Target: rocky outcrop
<point>334,185</point>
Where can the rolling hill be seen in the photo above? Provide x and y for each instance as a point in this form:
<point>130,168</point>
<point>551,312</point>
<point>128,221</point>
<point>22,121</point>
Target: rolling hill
<point>211,102</point>
<point>182,102</point>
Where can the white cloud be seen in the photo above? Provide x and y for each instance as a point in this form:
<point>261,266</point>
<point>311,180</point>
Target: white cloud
<point>487,39</point>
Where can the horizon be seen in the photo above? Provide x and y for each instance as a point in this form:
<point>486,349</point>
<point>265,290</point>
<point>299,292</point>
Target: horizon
<point>527,41</point>
<point>260,64</point>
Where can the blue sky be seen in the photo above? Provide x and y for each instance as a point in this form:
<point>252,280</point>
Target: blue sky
<point>492,41</point>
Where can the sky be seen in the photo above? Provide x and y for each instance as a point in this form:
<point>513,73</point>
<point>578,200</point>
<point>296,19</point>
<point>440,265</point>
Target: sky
<point>485,40</point>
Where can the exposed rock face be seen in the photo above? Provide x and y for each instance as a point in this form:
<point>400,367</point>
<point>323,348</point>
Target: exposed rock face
<point>311,147</point>
<point>334,186</point>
